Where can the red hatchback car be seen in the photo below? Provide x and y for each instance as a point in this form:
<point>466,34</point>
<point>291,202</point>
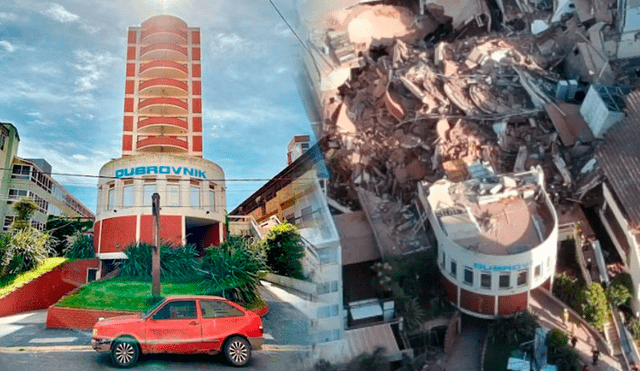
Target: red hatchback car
<point>185,325</point>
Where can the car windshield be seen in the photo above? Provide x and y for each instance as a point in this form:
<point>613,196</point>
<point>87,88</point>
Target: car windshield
<point>148,311</point>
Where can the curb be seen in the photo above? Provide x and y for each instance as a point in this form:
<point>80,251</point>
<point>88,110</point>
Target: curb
<point>45,349</point>
<point>282,348</point>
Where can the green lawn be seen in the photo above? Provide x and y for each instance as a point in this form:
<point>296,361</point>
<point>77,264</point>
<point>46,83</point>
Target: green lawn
<point>12,282</point>
<point>497,356</point>
<point>124,294</point>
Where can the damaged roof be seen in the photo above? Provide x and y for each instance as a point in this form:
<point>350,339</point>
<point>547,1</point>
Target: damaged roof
<point>619,157</point>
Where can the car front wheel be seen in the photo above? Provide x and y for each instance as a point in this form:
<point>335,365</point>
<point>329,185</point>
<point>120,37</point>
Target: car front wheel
<point>124,352</point>
<point>238,351</point>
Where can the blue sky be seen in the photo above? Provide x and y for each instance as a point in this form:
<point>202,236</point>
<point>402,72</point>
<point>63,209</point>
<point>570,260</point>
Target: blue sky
<point>62,70</point>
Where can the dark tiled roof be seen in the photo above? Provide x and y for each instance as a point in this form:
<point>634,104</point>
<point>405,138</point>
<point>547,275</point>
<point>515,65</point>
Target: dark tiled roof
<point>619,157</point>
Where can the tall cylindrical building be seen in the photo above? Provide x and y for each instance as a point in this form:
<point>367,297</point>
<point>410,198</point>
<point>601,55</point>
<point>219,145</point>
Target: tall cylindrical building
<point>161,148</point>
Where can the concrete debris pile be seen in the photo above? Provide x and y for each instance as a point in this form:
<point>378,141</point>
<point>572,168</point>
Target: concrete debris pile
<point>412,113</point>
<point>430,98</point>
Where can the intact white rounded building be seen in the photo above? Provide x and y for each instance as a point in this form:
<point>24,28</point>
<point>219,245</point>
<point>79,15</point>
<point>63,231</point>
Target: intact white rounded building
<point>497,240</point>
<point>192,201</point>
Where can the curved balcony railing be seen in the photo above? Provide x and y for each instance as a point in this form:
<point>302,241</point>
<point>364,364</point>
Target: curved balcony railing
<point>163,86</point>
<point>163,102</point>
<point>162,142</point>
<point>164,68</point>
<point>163,21</point>
<point>163,31</point>
<point>164,50</point>
<point>161,121</point>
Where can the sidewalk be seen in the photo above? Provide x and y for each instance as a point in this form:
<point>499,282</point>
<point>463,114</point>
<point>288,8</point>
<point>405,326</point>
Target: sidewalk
<point>550,315</point>
<point>27,330</point>
<point>466,352</point>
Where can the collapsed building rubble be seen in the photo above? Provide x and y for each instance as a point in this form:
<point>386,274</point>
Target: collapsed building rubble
<point>427,100</point>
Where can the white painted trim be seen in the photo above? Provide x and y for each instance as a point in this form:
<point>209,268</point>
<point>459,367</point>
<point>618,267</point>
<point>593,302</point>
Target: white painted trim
<point>112,255</point>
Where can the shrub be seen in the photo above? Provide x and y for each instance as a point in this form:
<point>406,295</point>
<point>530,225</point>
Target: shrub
<point>79,246</point>
<point>24,208</point>
<point>232,271</point>
<point>566,358</point>
<point>285,251</point>
<point>27,248</point>
<point>176,264</point>
<point>593,305</point>
<point>633,325</point>
<point>557,339</point>
<point>517,329</point>
<point>618,294</point>
<point>61,227</point>
<point>567,289</point>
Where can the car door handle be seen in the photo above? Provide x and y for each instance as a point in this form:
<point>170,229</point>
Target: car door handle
<point>193,323</point>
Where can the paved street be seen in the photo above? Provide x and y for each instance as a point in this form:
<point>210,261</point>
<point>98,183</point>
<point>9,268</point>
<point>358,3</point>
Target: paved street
<point>25,342</point>
<point>90,360</point>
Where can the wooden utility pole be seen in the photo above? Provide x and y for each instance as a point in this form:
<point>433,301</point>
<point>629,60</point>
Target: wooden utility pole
<point>155,258</point>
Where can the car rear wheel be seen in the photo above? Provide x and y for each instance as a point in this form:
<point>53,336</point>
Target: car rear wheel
<point>124,352</point>
<point>238,351</point>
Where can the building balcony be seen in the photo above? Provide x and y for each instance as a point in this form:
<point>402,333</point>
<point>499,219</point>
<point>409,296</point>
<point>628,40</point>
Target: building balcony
<point>162,144</point>
<point>163,106</point>
<point>161,34</point>
<point>169,69</point>
<point>163,87</point>
<point>163,21</point>
<point>164,51</point>
<point>157,124</point>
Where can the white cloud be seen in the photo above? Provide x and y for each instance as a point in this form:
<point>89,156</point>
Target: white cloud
<point>59,13</point>
<point>7,46</point>
<point>8,17</point>
<point>91,67</point>
<point>47,68</point>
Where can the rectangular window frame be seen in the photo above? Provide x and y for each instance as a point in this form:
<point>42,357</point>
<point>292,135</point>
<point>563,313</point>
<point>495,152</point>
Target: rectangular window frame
<point>501,284</point>
<point>467,276</point>
<point>484,282</point>
<point>453,268</point>
<point>522,278</point>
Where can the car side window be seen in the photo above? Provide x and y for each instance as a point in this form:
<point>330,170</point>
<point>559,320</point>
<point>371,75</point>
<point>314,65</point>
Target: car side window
<point>177,310</point>
<point>217,309</point>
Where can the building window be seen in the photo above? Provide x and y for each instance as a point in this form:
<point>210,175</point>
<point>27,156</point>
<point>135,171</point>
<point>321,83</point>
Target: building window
<point>505,280</point>
<point>149,188</point>
<point>127,194</point>
<point>453,268</point>
<point>111,198</point>
<point>15,194</point>
<point>291,219</point>
<point>194,194</point>
<point>468,276</point>
<point>8,220</point>
<point>444,260</point>
<point>485,280</point>
<point>537,272</point>
<point>173,192</point>
<point>3,140</point>
<point>307,214</point>
<point>21,172</point>
<point>522,277</point>
<point>212,197</point>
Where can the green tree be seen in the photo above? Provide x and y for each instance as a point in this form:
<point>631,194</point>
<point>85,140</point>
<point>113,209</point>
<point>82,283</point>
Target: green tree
<point>177,263</point>
<point>517,329</point>
<point>618,294</point>
<point>28,247</point>
<point>61,227</point>
<point>285,250</point>
<point>557,339</point>
<point>593,305</point>
<point>567,289</point>
<point>633,324</point>
<point>79,246</point>
<point>24,208</point>
<point>232,270</point>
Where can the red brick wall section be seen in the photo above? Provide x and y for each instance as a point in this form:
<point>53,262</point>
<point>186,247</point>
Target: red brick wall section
<point>484,304</point>
<point>170,229</point>
<point>46,289</point>
<point>450,290</point>
<point>118,233</point>
<point>512,304</point>
<point>80,319</point>
<point>547,285</point>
